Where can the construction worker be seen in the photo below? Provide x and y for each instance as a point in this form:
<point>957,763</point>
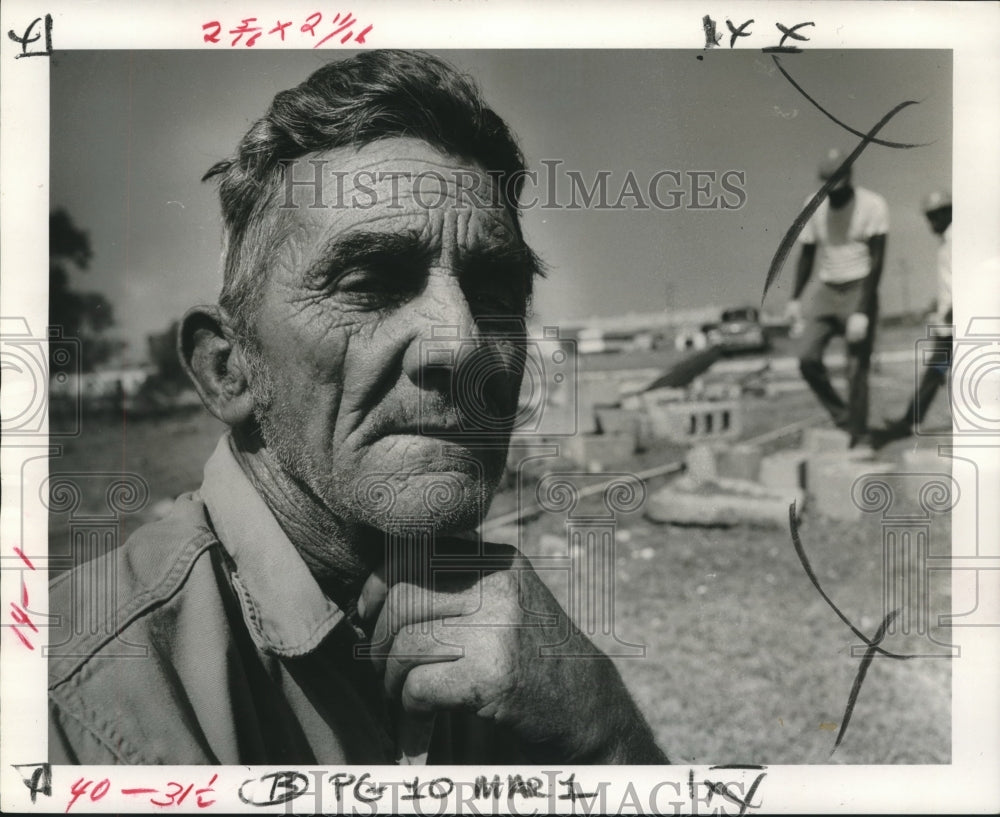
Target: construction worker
<point>937,208</point>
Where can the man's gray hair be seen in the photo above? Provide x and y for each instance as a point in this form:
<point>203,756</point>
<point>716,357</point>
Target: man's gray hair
<point>373,95</point>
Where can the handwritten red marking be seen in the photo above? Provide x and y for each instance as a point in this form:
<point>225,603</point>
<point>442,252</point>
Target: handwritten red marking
<point>79,788</point>
<point>137,791</point>
<point>24,593</point>
<point>77,791</point>
<point>170,795</point>
<point>280,27</point>
<point>213,36</point>
<point>24,558</point>
<point>21,617</point>
<point>248,33</point>
<point>24,640</point>
<point>311,27</point>
<point>245,28</point>
<point>208,789</point>
<point>349,21</point>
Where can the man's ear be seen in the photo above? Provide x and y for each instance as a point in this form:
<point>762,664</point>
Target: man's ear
<point>214,361</point>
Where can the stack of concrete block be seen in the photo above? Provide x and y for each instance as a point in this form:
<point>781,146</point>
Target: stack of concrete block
<point>699,463</point>
<point>720,487</point>
<point>604,388</point>
<point>784,470</point>
<point>831,469</point>
<point>696,421</point>
<point>615,420</point>
<point>595,452</point>
<point>740,461</point>
<point>621,420</point>
<point>710,461</point>
<point>723,502</point>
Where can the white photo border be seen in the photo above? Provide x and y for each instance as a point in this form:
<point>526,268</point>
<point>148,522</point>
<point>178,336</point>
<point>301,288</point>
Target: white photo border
<point>969,784</point>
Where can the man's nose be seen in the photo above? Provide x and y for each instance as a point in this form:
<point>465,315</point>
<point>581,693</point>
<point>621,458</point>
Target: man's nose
<point>443,332</point>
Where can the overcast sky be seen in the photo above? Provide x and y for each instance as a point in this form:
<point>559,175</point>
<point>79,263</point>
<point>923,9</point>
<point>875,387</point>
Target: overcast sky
<point>132,133</point>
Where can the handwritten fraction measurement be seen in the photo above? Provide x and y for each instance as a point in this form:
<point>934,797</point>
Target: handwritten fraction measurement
<point>173,794</point>
<point>250,30</point>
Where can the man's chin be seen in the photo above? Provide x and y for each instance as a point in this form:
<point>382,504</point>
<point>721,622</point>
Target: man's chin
<point>441,502</point>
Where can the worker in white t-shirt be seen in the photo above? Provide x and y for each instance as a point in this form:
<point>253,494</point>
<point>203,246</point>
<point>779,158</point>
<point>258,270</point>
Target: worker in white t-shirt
<point>843,243</point>
<point>937,209</point>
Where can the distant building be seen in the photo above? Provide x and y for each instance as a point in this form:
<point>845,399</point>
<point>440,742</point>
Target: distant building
<point>101,384</point>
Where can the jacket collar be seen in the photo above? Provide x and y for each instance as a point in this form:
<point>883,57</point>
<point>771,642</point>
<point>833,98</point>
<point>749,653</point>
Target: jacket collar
<point>286,612</point>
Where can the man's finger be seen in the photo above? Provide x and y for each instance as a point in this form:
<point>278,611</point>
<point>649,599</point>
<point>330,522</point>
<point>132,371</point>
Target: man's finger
<point>434,687</point>
<point>407,606</point>
<point>414,646</point>
<point>373,594</point>
<point>376,588</point>
<point>475,560</point>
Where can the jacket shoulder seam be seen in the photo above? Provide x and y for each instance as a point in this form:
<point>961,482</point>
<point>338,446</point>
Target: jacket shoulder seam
<point>140,605</point>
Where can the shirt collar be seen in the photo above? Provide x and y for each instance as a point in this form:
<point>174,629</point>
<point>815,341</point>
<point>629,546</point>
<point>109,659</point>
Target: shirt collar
<point>285,610</point>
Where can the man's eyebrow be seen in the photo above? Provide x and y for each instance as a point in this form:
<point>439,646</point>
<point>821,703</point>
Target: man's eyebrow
<point>509,254</point>
<point>360,246</point>
<point>366,246</point>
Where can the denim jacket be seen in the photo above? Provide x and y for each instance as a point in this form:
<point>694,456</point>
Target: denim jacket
<point>205,639</point>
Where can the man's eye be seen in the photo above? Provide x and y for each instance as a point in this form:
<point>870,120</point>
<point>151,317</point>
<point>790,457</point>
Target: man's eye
<point>496,296</point>
<point>372,285</point>
<point>360,281</point>
<point>492,300</point>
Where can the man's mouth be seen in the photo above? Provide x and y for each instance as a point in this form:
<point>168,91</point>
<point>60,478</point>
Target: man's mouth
<point>447,433</point>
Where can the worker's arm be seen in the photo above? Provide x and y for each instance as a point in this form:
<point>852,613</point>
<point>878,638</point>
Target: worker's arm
<point>876,250</point>
<point>807,257</point>
<point>804,270</point>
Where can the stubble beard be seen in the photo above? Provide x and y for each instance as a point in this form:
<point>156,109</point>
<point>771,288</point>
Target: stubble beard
<point>362,500</point>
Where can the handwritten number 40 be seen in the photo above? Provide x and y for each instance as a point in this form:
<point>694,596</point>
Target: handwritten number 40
<point>80,787</point>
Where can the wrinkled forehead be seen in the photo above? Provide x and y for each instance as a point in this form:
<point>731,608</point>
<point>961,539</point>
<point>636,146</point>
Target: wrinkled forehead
<point>393,185</point>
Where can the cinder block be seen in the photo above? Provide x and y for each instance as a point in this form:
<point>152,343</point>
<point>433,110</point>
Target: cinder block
<point>700,463</point>
<point>785,469</point>
<point>830,478</point>
<point>825,440</point>
<point>644,436</point>
<point>720,508</point>
<point>614,420</point>
<point>739,461</point>
<point>696,421</point>
<point>600,449</point>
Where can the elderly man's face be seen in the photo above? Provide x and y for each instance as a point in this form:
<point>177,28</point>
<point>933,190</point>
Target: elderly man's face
<point>360,399</point>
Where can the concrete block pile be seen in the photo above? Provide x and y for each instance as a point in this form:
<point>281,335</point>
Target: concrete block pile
<point>736,484</point>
